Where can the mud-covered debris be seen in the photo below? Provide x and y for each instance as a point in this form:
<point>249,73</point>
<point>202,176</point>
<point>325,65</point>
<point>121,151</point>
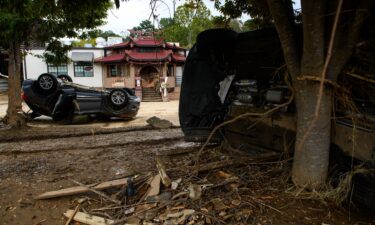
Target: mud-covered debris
<point>154,186</point>
<point>160,164</point>
<point>87,218</point>
<point>80,189</point>
<point>156,122</point>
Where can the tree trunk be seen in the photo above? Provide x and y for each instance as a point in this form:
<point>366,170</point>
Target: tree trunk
<point>14,117</point>
<point>310,164</point>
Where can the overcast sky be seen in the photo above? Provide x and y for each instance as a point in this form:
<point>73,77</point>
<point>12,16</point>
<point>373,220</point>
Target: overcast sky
<point>132,12</point>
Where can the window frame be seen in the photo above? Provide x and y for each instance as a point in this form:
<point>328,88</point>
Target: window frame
<point>58,66</point>
<point>83,64</point>
<point>119,70</point>
<point>171,70</point>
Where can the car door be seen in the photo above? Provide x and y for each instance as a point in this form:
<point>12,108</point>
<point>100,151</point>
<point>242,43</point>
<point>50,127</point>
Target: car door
<point>88,102</point>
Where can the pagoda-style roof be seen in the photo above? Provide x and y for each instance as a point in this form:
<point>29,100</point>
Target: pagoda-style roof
<point>111,58</point>
<point>134,56</point>
<point>145,41</point>
<point>148,56</point>
<point>140,50</point>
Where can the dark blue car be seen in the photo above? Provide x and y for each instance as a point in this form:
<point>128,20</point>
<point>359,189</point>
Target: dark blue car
<point>61,99</point>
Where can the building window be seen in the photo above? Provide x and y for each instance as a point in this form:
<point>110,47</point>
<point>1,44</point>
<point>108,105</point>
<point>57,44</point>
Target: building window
<point>83,69</point>
<point>57,69</point>
<point>114,70</point>
<point>170,72</point>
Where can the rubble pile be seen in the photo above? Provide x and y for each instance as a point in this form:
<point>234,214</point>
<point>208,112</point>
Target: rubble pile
<point>223,188</point>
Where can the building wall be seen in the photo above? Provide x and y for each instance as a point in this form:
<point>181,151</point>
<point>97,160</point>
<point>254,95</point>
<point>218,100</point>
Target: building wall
<point>96,80</point>
<point>34,66</point>
<point>126,81</point>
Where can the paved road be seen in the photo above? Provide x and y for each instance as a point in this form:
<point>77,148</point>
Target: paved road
<point>164,110</point>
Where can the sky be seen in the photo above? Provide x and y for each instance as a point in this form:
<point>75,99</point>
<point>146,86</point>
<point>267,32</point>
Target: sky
<point>132,13</point>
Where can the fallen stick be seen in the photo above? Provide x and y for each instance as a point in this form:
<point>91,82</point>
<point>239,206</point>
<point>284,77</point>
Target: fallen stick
<point>87,218</point>
<point>70,218</point>
<point>97,192</point>
<point>40,222</point>
<point>79,189</point>
<point>264,204</point>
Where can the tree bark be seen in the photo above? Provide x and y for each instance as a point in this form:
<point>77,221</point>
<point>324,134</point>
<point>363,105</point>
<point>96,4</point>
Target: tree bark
<point>14,117</point>
<point>310,164</point>
<point>287,34</point>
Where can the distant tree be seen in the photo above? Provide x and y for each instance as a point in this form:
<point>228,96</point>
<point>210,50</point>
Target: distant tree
<point>165,22</point>
<point>145,26</point>
<point>190,19</point>
<point>220,21</point>
<point>99,33</point>
<point>43,21</point>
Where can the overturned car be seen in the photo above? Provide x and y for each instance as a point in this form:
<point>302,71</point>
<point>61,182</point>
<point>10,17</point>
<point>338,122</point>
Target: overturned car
<point>228,74</point>
<point>61,99</point>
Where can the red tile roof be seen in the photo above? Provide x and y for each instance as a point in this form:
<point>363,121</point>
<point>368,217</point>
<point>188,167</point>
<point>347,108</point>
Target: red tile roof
<point>148,56</point>
<point>111,58</point>
<point>178,57</point>
<point>120,45</point>
<point>148,42</point>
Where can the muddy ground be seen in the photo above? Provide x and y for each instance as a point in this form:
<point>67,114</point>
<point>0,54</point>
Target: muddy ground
<point>36,160</point>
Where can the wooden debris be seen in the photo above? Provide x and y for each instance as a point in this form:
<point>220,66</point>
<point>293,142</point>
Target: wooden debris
<point>87,218</point>
<point>79,189</point>
<point>154,186</point>
<point>70,218</point>
<point>40,222</point>
<point>163,174</point>
<point>97,192</point>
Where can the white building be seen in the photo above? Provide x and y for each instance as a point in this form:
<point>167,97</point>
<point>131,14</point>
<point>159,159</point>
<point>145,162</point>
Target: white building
<point>82,68</point>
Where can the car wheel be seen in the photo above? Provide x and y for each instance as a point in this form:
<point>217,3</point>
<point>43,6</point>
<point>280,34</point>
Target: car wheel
<point>47,83</point>
<point>65,77</point>
<point>118,98</point>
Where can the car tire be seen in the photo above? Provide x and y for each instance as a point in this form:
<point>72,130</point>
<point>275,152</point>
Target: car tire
<point>46,83</point>
<point>118,98</point>
<point>65,77</point>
